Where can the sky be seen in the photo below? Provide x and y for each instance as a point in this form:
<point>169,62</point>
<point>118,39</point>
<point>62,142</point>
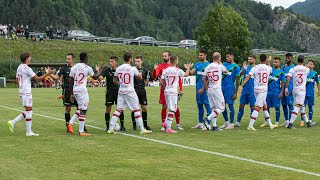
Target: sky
<point>284,3</point>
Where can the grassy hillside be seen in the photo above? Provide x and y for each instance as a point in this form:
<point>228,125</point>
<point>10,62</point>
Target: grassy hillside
<point>55,51</point>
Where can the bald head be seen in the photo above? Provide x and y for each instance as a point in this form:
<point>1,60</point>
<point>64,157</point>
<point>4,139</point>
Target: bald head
<point>216,56</point>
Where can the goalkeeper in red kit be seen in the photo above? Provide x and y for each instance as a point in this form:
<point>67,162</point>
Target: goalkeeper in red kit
<point>158,69</point>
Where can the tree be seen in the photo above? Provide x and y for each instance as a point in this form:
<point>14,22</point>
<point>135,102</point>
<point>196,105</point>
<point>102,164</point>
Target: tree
<point>224,30</point>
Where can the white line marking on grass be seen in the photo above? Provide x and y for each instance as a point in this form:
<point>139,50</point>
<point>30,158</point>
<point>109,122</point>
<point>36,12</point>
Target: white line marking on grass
<point>189,148</point>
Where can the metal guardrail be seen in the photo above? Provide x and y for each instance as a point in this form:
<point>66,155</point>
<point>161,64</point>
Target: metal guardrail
<point>125,41</point>
<point>275,52</point>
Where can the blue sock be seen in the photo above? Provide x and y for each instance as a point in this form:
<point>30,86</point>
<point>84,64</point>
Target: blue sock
<point>240,114</point>
<point>225,115</point>
<point>277,115</point>
<point>209,111</point>
<point>231,113</point>
<point>285,112</point>
<point>310,112</point>
<point>200,113</point>
<point>291,109</point>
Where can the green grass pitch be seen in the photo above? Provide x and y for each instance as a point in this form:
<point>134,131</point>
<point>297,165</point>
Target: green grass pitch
<point>189,154</point>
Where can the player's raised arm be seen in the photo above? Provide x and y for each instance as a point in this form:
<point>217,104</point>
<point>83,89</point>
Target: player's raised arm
<point>246,80</point>
<point>41,78</point>
<point>53,76</point>
<point>156,71</point>
<point>97,75</point>
<point>237,83</point>
<point>188,67</point>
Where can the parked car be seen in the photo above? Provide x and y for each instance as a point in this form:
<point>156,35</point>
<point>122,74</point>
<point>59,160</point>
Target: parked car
<point>187,43</point>
<point>144,40</point>
<point>81,35</point>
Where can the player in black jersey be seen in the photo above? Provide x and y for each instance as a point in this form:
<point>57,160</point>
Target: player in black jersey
<point>112,89</point>
<point>139,86</point>
<point>63,75</point>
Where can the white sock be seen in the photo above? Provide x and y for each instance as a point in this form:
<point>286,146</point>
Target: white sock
<point>82,121</point>
<point>114,119</point>
<point>28,121</point>
<point>75,117</point>
<point>17,119</point>
<point>294,114</point>
<point>214,122</point>
<point>253,118</point>
<point>267,117</point>
<point>138,118</point>
<point>28,126</point>
<point>303,114</point>
<point>169,120</point>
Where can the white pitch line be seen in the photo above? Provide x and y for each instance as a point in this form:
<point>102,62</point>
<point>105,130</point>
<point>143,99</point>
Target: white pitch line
<point>189,148</point>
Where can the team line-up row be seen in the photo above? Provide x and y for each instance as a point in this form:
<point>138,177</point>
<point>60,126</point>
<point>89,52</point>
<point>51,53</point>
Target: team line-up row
<point>216,85</point>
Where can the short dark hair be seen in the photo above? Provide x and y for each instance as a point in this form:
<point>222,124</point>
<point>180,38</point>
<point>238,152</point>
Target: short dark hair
<point>230,53</point>
<point>169,53</point>
<point>300,59</point>
<point>173,58</point>
<point>114,58</point>
<point>24,56</point>
<point>277,58</point>
<point>314,63</point>
<point>83,57</point>
<point>289,55</point>
<point>72,55</point>
<point>263,57</point>
<point>127,56</point>
<point>253,56</point>
<point>204,51</point>
<point>139,57</point>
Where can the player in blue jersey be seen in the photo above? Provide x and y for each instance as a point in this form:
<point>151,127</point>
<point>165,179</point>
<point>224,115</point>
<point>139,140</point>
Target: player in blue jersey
<point>311,80</point>
<point>202,99</point>
<point>275,89</point>
<point>247,92</point>
<point>230,85</point>
<point>287,101</point>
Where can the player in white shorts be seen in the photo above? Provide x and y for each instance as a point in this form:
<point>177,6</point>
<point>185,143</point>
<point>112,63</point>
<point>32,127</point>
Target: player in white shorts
<point>169,82</point>
<point>212,78</point>
<point>78,89</point>
<point>260,73</point>
<point>127,96</point>
<point>24,75</point>
<point>299,76</point>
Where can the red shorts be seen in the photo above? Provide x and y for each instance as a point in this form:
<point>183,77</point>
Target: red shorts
<point>162,99</point>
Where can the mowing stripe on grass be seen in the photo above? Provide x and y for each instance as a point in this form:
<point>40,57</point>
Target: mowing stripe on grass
<point>189,148</point>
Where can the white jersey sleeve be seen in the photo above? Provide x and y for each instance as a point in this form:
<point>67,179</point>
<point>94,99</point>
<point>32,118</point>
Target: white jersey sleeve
<point>253,71</point>
<point>291,71</point>
<point>135,71</point>
<point>181,73</point>
<point>90,71</point>
<point>30,72</point>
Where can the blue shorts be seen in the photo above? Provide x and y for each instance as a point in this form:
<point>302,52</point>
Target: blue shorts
<point>228,97</point>
<point>248,98</point>
<point>287,100</point>
<point>273,100</point>
<point>202,98</point>
<point>309,100</point>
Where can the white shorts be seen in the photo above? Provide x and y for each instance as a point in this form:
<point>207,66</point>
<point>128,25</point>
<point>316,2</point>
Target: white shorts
<point>171,102</point>
<point>131,100</point>
<point>299,96</point>
<point>260,98</point>
<point>82,100</point>
<point>216,99</point>
<point>26,100</point>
